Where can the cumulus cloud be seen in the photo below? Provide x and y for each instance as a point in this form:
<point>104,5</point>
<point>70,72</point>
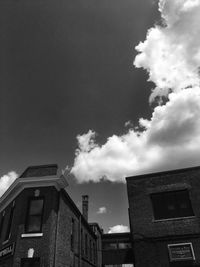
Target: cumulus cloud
<point>128,124</point>
<point>118,229</point>
<point>171,53</point>
<point>171,138</point>
<point>6,181</point>
<point>102,210</point>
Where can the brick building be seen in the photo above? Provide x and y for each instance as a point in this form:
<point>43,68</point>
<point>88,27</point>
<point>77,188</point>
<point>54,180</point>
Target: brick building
<point>165,218</point>
<point>41,226</point>
<point>117,249</point>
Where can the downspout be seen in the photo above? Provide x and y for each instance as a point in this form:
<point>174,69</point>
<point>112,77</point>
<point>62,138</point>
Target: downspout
<point>56,232</point>
<point>132,238</point>
<point>80,242</point>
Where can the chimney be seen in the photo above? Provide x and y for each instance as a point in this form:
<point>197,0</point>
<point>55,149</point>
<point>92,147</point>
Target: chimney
<point>85,206</point>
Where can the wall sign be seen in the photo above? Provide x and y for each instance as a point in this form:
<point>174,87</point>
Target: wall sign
<point>181,252</point>
<point>7,251</point>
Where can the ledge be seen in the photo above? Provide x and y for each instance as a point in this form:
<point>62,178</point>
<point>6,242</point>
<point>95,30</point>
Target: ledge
<point>32,235</point>
<point>174,219</point>
<point>5,242</point>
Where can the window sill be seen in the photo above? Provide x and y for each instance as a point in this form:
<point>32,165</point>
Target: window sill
<point>5,242</point>
<point>32,235</point>
<point>174,219</point>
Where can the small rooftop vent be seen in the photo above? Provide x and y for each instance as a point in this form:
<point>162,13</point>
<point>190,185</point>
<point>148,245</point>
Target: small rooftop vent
<point>41,170</point>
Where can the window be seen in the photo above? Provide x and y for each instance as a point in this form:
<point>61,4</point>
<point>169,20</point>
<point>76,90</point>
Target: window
<point>72,235</point>
<point>34,215</point>
<point>90,248</point>
<point>110,246</point>
<point>82,248</point>
<point>8,230</point>
<point>30,262</point>
<point>2,223</point>
<point>94,253</point>
<point>171,205</point>
<point>124,245</point>
<point>86,245</point>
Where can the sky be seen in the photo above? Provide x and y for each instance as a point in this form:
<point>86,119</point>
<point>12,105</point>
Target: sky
<point>106,89</point>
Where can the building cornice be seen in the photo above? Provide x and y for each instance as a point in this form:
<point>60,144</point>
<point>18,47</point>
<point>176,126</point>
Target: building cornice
<point>31,182</point>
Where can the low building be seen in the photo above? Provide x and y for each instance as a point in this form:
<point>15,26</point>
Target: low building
<point>117,249</point>
<point>98,232</point>
<point>41,226</point>
<point>165,218</point>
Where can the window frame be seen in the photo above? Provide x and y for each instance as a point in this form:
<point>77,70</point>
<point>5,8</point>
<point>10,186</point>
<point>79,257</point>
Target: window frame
<point>10,221</point>
<point>82,242</point>
<point>86,245</point>
<point>2,222</point>
<point>163,197</point>
<point>90,249</point>
<point>72,234</point>
<point>27,220</point>
<point>94,252</point>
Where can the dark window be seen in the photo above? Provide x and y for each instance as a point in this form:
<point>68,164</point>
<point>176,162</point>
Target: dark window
<point>94,253</point>
<point>72,235</point>
<point>110,246</point>
<point>82,248</point>
<point>10,219</point>
<point>30,262</point>
<point>90,247</point>
<point>2,223</point>
<point>171,205</point>
<point>86,245</point>
<point>124,245</point>
<point>34,215</point>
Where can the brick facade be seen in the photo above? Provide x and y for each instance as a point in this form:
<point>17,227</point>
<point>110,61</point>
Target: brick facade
<point>54,245</point>
<point>22,244</point>
<point>151,237</point>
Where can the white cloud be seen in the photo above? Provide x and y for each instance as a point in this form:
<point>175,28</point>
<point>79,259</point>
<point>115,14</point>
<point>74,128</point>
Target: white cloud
<point>171,138</point>
<point>118,229</point>
<point>102,210</point>
<point>171,54</point>
<point>128,124</point>
<point>6,180</point>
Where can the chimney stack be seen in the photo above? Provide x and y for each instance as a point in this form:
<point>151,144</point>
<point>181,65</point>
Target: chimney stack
<point>85,206</point>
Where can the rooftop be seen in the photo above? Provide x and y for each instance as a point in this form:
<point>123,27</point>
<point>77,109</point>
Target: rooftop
<point>40,170</point>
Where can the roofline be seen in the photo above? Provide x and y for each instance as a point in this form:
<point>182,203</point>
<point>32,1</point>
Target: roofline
<point>87,224</point>
<point>39,166</point>
<point>32,182</point>
<point>154,174</point>
<point>96,224</point>
<point>117,234</point>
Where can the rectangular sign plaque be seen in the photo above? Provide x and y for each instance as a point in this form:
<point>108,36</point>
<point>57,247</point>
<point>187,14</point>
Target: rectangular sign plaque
<point>7,251</point>
<point>181,252</point>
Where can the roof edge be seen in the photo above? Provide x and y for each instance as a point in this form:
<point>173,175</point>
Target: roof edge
<point>155,174</point>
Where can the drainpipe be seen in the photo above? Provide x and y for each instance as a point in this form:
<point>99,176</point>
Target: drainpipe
<point>80,242</point>
<point>56,232</point>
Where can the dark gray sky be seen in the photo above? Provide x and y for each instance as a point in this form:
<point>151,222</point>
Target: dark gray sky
<point>66,67</point>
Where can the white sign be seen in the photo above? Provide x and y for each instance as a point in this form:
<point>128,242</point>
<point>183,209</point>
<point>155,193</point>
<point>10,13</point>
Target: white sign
<point>7,251</point>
